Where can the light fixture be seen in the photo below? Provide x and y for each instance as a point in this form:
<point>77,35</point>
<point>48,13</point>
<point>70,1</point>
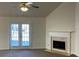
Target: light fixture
<point>24,8</point>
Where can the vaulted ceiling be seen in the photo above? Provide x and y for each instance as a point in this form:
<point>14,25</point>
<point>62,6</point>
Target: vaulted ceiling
<point>11,9</point>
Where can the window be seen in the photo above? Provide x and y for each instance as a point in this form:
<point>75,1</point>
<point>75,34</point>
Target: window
<point>25,35</point>
<point>14,35</point>
<point>16,31</point>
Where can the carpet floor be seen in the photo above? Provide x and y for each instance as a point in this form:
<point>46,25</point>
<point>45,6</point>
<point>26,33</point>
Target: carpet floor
<point>28,53</point>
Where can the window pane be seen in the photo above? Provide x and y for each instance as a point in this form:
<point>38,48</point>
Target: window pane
<point>25,35</point>
<point>14,35</point>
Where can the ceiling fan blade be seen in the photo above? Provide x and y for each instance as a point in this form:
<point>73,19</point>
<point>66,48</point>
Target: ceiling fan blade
<point>29,3</point>
<point>35,6</point>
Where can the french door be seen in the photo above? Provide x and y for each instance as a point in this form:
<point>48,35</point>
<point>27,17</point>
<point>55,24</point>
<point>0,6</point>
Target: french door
<point>19,37</point>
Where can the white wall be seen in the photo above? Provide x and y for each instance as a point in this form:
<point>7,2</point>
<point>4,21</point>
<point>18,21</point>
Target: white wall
<point>77,30</point>
<point>61,19</point>
<point>38,30</point>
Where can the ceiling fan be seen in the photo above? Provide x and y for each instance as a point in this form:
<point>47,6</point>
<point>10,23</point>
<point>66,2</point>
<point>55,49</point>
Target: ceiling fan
<point>24,6</point>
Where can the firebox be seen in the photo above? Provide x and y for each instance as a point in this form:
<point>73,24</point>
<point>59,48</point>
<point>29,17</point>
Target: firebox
<point>59,44</point>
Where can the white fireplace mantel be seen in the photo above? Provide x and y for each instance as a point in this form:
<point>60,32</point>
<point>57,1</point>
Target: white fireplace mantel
<point>61,34</point>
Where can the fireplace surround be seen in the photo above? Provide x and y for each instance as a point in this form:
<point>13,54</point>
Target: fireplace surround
<point>60,42</point>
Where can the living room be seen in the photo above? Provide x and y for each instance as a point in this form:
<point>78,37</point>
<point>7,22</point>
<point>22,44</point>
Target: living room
<point>52,20</point>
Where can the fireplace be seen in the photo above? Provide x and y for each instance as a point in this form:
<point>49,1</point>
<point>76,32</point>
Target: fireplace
<point>59,45</point>
<point>59,42</point>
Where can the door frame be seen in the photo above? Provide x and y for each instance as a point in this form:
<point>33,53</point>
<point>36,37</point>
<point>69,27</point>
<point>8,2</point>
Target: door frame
<point>30,36</point>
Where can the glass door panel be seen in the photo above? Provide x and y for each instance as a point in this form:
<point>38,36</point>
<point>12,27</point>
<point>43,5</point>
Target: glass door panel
<point>14,35</point>
<point>19,35</point>
<point>25,35</point>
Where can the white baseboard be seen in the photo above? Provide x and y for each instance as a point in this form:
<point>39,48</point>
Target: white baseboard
<point>76,54</point>
<point>4,49</point>
<point>23,48</point>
